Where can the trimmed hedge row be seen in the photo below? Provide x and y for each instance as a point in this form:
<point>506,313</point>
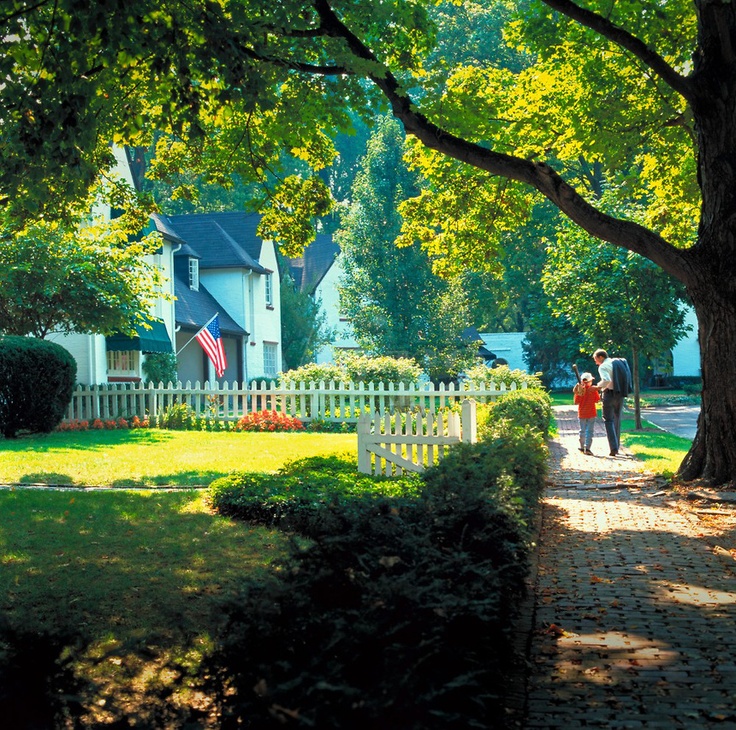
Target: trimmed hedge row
<point>396,610</point>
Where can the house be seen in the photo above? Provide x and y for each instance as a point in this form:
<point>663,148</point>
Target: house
<point>503,348</point>
<point>214,264</point>
<point>221,266</point>
<point>317,272</point>
<point>119,358</point>
<point>686,353</point>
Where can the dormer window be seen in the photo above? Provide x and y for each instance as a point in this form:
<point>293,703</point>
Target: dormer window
<point>194,274</point>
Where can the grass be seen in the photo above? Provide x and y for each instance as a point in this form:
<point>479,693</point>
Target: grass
<point>136,576</point>
<point>155,457</point>
<point>661,452</point>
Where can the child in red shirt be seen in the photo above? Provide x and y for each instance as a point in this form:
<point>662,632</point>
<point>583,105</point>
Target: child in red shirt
<point>586,399</point>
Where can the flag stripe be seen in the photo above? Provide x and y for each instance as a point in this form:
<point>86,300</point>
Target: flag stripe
<point>210,339</point>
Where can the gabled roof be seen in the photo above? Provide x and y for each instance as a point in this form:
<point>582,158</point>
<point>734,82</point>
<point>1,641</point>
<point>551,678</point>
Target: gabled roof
<point>309,269</point>
<point>162,226</point>
<point>195,308</point>
<point>222,240</point>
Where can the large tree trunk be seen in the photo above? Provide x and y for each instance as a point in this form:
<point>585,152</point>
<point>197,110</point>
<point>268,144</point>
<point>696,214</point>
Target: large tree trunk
<point>713,453</point>
<point>710,266</point>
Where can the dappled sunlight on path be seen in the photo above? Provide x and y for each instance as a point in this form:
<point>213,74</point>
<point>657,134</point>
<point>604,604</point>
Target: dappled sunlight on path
<point>635,612</point>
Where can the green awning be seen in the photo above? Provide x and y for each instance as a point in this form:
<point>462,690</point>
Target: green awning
<point>155,339</point>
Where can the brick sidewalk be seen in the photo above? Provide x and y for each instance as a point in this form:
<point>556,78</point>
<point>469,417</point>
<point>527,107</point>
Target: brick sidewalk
<point>634,614</point>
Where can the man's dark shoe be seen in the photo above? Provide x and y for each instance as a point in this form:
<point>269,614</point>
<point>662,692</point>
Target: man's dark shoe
<point>589,452</point>
<point>614,453</point>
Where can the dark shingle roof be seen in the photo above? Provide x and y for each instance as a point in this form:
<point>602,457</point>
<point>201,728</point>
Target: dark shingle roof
<point>309,269</point>
<point>223,240</point>
<point>195,308</point>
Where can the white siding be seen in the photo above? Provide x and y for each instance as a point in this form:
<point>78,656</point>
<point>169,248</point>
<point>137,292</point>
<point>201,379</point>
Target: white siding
<point>328,295</point>
<point>507,345</point>
<point>686,353</point>
<point>90,353</point>
<point>243,295</point>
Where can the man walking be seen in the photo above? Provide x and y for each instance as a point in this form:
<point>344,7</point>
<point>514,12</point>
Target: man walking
<point>614,384</point>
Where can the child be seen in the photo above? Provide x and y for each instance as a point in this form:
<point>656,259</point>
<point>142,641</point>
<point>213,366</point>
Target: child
<point>585,399</point>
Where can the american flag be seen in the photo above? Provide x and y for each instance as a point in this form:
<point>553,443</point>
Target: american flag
<point>211,340</point>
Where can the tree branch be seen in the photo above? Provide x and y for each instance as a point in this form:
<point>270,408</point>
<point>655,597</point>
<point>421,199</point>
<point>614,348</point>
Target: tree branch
<point>681,84</point>
<point>542,177</point>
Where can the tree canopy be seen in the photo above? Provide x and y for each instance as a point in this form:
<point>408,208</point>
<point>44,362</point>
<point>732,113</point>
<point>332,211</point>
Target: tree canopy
<point>642,92</point>
<point>396,304</point>
<point>84,275</point>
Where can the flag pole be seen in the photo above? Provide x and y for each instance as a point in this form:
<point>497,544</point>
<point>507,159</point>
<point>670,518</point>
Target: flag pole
<point>196,333</point>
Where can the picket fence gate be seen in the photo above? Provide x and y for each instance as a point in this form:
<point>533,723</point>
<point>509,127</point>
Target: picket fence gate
<point>330,402</point>
<point>391,444</point>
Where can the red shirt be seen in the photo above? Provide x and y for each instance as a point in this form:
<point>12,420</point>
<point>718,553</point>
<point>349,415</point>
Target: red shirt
<point>586,402</point>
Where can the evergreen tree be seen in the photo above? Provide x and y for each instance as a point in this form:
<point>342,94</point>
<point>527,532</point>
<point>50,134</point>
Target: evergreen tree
<point>397,306</point>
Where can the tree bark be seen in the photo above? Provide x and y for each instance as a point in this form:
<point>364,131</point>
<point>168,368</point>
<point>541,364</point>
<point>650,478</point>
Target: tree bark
<point>712,457</point>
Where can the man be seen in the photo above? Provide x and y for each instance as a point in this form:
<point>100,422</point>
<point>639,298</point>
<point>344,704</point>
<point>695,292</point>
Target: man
<point>614,385</point>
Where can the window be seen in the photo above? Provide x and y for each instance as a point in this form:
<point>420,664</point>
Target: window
<point>122,362</point>
<point>269,290</point>
<point>194,274</point>
<point>269,359</point>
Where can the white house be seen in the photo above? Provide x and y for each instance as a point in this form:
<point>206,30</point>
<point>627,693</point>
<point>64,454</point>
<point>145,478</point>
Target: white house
<point>223,267</point>
<point>103,359</point>
<point>213,263</point>
<point>317,272</point>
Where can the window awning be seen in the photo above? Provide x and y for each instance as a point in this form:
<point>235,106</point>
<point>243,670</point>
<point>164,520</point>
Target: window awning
<point>155,339</point>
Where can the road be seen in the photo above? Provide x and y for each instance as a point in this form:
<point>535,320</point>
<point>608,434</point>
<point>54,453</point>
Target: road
<point>679,420</point>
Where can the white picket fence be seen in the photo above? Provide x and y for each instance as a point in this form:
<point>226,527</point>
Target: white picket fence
<point>332,402</point>
<point>391,444</point>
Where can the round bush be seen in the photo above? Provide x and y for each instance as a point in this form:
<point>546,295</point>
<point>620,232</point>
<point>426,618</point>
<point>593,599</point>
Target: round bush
<point>529,407</point>
<point>36,383</point>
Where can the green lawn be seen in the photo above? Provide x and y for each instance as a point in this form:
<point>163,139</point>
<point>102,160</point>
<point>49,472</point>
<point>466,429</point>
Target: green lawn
<point>661,452</point>
<point>155,457</point>
<point>135,579</point>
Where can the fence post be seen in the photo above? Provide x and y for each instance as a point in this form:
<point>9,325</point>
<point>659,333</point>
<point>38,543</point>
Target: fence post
<point>469,429</point>
<point>364,456</point>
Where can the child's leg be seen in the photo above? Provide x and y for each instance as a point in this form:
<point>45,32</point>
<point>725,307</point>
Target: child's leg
<point>582,433</point>
<point>589,428</point>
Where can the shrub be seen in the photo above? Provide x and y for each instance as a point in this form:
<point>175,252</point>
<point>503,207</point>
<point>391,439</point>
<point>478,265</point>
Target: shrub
<point>525,407</point>
<point>305,495</point>
<point>160,367</point>
<point>36,383</point>
<point>398,613</point>
<point>268,421</point>
<point>396,616</point>
<point>502,375</point>
<point>357,369</point>
<point>313,373</point>
<point>380,369</point>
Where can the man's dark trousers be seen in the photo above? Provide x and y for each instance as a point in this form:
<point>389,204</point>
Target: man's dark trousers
<point>612,406</point>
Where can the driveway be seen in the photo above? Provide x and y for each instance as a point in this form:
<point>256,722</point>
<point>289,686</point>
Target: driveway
<point>679,420</point>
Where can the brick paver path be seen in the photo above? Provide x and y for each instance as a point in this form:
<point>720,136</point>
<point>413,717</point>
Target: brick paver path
<point>635,613</point>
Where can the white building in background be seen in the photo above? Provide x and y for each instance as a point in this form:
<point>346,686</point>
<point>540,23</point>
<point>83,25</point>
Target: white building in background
<point>686,353</point>
<point>317,272</point>
<point>505,346</point>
